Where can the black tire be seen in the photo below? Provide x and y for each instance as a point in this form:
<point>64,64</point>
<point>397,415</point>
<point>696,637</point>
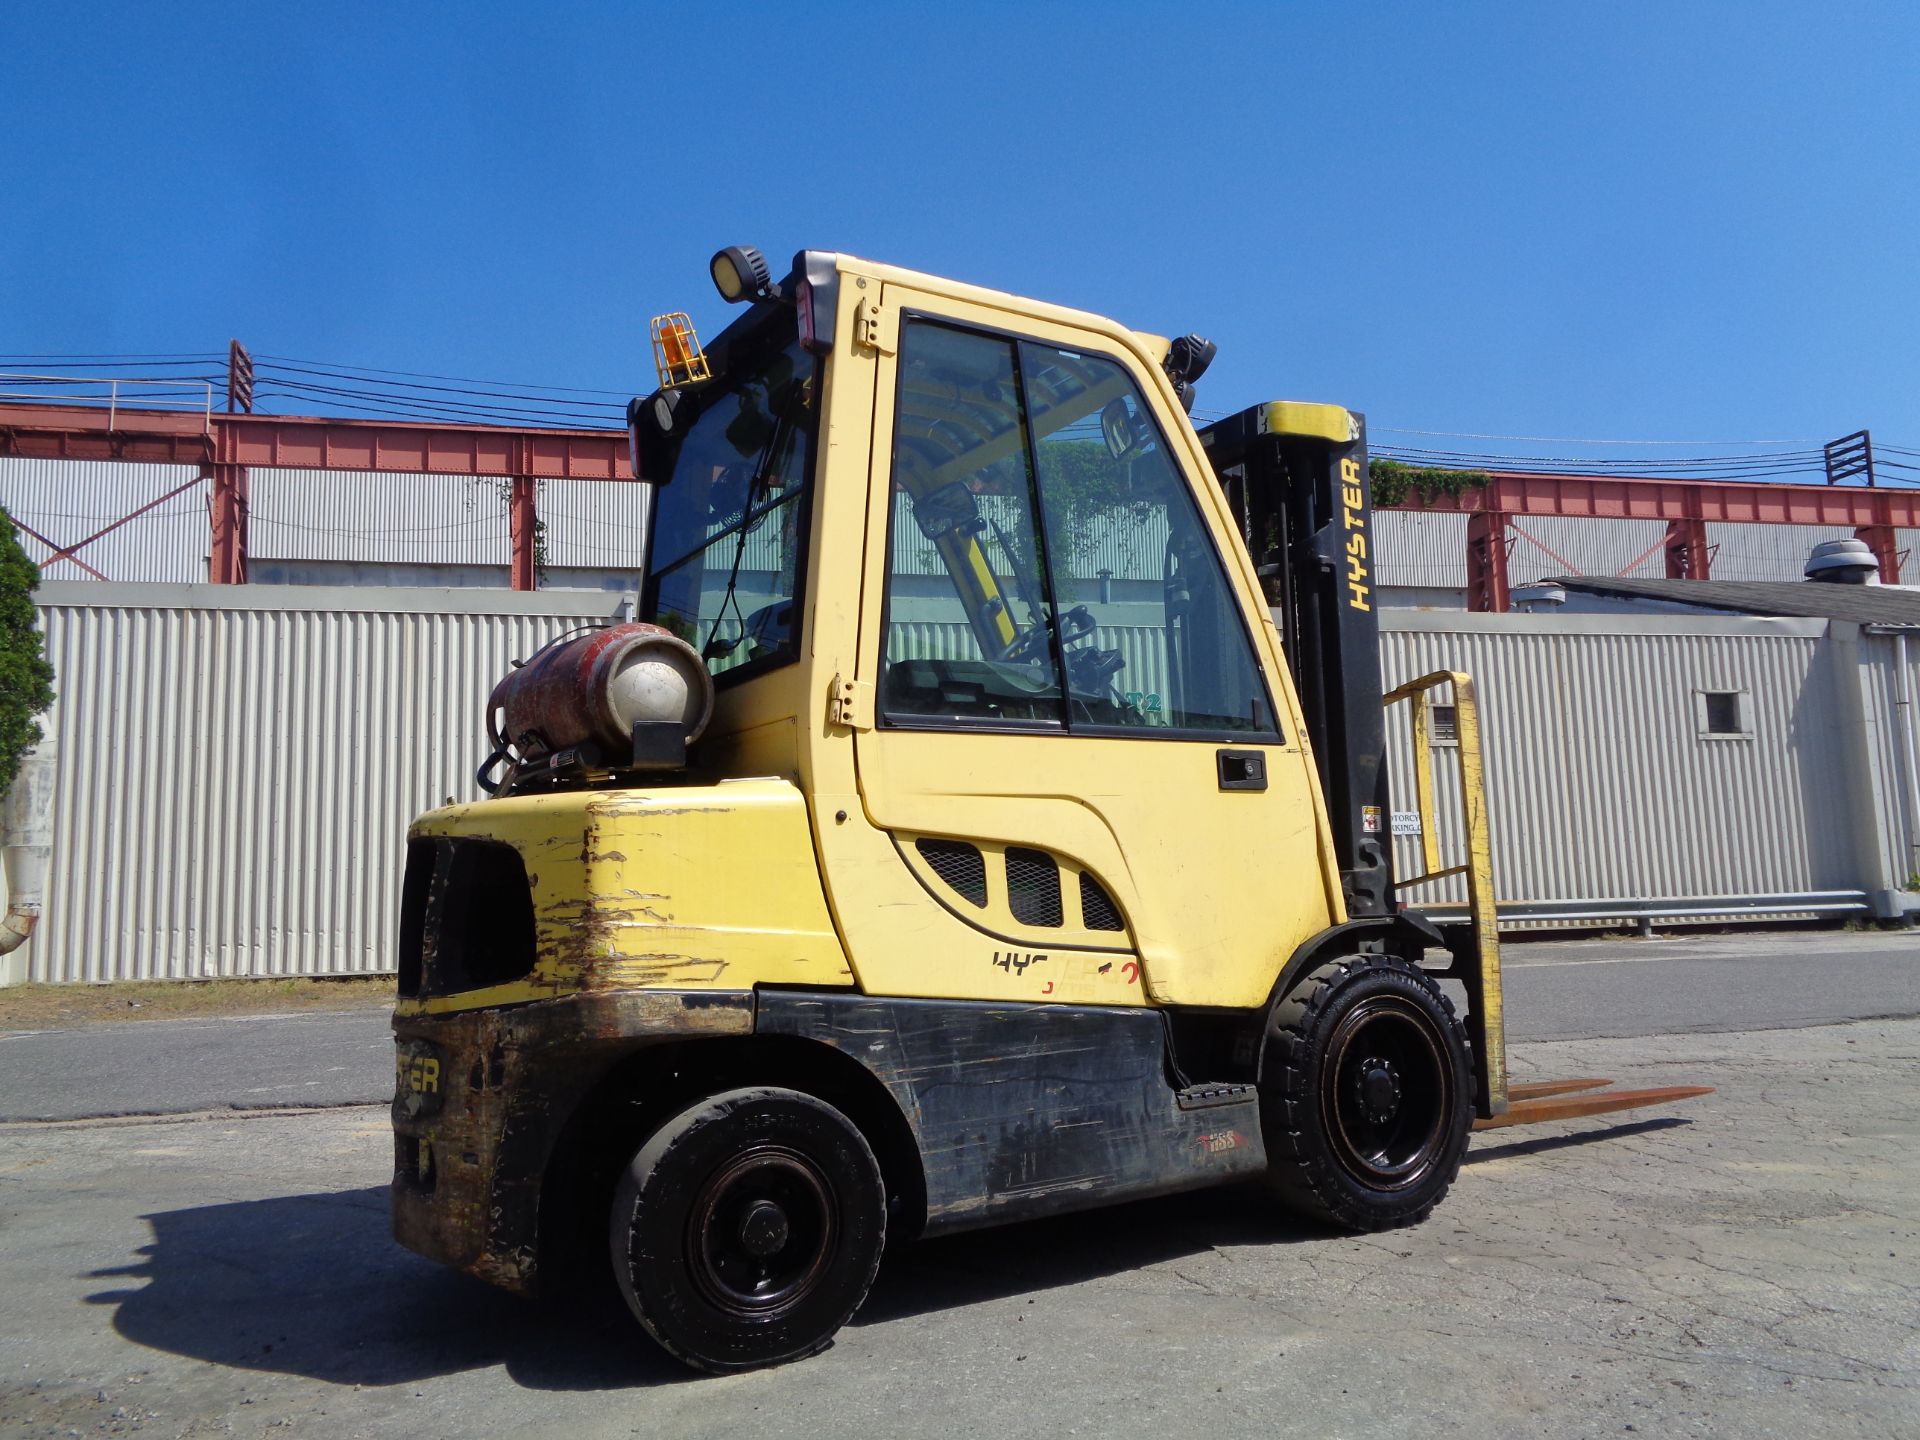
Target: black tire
<point>747,1229</point>
<point>1366,1094</point>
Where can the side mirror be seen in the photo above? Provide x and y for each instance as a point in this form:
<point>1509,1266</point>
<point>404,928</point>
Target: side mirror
<point>654,423</point>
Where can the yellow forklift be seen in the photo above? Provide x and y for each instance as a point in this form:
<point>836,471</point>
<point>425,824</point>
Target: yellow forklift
<point>985,816</point>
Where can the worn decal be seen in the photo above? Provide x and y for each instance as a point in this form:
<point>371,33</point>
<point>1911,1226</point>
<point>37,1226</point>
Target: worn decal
<point>1015,962</point>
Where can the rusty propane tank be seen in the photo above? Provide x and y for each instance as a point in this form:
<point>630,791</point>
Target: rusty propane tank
<point>596,688</point>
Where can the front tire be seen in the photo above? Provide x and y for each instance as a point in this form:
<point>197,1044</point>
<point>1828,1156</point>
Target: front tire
<point>748,1228</point>
<point>1366,1094</point>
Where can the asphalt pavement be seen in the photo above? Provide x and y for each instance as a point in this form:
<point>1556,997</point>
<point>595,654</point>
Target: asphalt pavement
<point>1556,990</point>
<point>1741,1265</point>
<point>171,1067</point>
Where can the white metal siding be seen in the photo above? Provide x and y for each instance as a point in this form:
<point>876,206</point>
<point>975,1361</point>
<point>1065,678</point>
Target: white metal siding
<point>237,774</point>
<point>437,519</point>
<point>1421,548</point>
<point>238,764</point>
<point>338,515</point>
<point>1143,648</point>
<point>68,500</point>
<point>1600,785</point>
<point>1894,748</point>
<point>1428,549</point>
<point>1543,545</point>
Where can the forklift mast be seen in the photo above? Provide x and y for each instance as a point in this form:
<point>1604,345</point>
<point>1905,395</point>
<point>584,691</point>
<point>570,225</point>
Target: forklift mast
<point>1296,478</point>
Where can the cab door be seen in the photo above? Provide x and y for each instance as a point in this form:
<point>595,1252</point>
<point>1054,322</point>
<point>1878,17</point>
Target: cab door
<point>1083,746</point>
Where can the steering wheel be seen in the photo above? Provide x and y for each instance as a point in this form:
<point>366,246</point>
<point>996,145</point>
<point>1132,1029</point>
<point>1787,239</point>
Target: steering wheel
<point>1027,644</point>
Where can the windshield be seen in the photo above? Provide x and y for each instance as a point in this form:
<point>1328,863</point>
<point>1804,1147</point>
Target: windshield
<point>729,528</point>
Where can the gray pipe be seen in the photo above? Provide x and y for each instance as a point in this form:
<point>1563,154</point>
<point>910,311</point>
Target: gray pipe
<point>1903,707</point>
<point>26,830</point>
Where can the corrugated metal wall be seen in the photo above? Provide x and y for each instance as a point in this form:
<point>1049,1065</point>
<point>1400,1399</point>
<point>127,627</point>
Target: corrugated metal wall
<point>238,766</point>
<point>237,769</point>
<point>1428,550</point>
<point>68,500</point>
<point>1600,782</point>
<point>1143,647</point>
<point>1894,741</point>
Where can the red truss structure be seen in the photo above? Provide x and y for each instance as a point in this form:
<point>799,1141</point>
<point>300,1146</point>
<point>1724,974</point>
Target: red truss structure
<point>223,447</point>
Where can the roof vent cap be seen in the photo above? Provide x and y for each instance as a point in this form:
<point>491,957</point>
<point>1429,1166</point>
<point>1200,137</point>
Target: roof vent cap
<point>1843,562</point>
<point>1544,596</point>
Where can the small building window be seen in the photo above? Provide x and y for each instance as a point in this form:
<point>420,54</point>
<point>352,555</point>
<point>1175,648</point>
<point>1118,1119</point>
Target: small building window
<point>1443,724</point>
<point>1722,714</point>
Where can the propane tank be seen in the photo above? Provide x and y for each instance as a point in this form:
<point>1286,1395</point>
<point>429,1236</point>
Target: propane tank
<point>594,689</point>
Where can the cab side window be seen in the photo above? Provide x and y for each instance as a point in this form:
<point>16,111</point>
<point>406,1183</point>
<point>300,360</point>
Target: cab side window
<point>968,634</point>
<point>1048,565</point>
<point>1153,635</point>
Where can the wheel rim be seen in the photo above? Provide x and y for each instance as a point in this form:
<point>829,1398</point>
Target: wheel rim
<point>1388,1093</point>
<point>760,1233</point>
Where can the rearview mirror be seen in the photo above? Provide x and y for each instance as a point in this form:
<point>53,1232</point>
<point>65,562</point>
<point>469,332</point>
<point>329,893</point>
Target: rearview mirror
<point>940,512</point>
<point>1116,428</point>
<point>654,423</point>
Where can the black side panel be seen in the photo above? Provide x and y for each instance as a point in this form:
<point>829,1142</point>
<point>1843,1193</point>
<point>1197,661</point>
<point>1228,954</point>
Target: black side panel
<point>1025,1110</point>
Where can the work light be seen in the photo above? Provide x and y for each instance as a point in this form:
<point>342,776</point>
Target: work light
<point>739,273</point>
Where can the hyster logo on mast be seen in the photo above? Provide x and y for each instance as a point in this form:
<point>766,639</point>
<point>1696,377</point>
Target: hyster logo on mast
<point>1353,499</point>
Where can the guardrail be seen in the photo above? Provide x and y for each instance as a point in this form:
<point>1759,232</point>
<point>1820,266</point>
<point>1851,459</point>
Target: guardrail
<point>119,394</point>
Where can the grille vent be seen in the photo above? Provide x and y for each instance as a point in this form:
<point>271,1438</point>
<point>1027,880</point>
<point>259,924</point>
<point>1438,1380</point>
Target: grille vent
<point>958,864</point>
<point>1033,887</point>
<point>1097,910</point>
<point>466,917</point>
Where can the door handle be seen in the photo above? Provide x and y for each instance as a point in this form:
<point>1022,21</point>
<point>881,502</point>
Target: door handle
<point>1241,769</point>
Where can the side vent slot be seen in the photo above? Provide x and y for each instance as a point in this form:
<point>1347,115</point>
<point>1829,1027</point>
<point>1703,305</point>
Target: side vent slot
<point>958,864</point>
<point>1097,910</point>
<point>1033,888</point>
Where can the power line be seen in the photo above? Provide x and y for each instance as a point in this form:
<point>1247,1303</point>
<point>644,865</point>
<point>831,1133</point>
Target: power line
<point>1569,440</point>
<point>415,407</point>
<point>421,375</point>
<point>384,387</point>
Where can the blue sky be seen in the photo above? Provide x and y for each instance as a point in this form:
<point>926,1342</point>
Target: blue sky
<point>1684,221</point>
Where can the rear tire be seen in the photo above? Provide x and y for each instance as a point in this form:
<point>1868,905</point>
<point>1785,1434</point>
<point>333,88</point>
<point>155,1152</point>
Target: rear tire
<point>1366,1094</point>
<point>748,1228</point>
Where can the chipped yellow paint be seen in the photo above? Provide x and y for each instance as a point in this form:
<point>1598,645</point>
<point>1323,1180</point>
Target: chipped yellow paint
<point>690,887</point>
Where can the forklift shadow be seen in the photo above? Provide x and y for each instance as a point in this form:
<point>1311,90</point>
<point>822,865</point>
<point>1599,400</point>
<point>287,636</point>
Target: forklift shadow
<point>313,1285</point>
<point>1541,1144</point>
<point>1010,1260</point>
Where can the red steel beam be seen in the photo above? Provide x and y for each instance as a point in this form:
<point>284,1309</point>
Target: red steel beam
<point>73,432</point>
<point>1688,555</point>
<point>524,530</point>
<point>227,506</point>
<point>1739,501</point>
<point>70,432</point>
<point>1487,585</point>
<point>299,442</point>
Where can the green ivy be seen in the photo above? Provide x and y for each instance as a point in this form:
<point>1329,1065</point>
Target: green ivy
<point>26,679</point>
<point>1396,484</point>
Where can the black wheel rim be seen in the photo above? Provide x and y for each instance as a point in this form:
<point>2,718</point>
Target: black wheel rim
<point>1388,1093</point>
<point>761,1232</point>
